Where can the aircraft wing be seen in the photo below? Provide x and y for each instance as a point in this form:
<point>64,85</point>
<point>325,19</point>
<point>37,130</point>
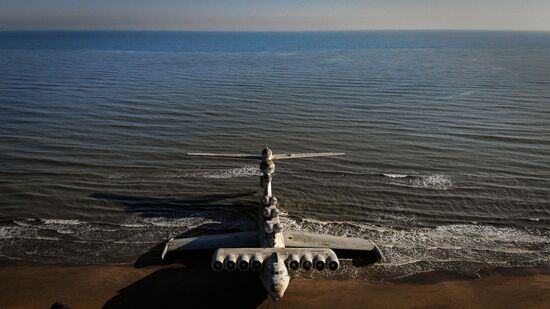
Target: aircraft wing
<point>265,253</point>
<point>346,247</point>
<point>231,240</point>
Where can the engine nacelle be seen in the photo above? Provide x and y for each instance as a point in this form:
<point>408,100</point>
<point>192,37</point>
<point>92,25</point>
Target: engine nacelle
<point>217,262</point>
<point>256,263</point>
<point>243,263</point>
<point>333,263</point>
<point>230,262</point>
<point>306,261</point>
<point>293,262</point>
<point>319,262</point>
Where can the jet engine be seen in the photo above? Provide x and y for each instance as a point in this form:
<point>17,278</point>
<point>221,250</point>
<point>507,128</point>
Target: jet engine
<point>319,262</point>
<point>293,262</point>
<point>256,263</point>
<point>230,262</point>
<point>306,262</point>
<point>217,262</point>
<point>243,262</point>
<point>333,263</point>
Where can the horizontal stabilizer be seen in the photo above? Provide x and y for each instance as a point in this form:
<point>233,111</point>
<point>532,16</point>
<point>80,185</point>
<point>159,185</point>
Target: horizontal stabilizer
<point>225,155</point>
<point>283,156</point>
<point>306,155</point>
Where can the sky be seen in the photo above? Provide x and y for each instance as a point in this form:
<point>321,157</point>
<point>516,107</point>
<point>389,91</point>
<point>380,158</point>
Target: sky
<point>278,15</point>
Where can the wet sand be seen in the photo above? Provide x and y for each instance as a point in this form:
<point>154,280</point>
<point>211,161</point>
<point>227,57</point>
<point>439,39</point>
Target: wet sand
<point>36,286</point>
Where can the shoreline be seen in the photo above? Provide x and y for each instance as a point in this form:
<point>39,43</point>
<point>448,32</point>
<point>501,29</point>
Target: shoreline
<point>26,285</point>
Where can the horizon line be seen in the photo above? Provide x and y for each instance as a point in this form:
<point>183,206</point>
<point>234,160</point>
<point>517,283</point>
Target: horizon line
<point>268,31</point>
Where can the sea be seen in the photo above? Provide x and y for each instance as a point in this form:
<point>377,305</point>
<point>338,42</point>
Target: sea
<point>446,135</point>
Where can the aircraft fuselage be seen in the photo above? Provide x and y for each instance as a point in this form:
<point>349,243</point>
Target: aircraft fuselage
<point>274,275</point>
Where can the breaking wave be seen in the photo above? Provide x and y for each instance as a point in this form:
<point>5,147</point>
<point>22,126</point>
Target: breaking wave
<point>395,175</point>
<point>435,181</point>
<point>462,248</point>
<point>243,171</point>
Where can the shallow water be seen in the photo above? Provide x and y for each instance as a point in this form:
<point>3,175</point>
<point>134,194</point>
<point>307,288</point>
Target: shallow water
<point>447,136</point>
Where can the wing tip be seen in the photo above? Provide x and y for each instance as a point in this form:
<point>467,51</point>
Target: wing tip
<point>165,250</point>
<point>381,257</point>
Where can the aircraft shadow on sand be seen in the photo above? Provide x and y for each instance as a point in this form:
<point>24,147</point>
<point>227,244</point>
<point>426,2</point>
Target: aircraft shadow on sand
<point>192,287</point>
<point>194,283</point>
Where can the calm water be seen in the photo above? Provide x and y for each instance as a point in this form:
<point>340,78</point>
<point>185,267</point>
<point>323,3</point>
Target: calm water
<point>447,136</point>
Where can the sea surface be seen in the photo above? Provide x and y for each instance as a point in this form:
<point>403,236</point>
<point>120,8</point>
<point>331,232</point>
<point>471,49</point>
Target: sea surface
<point>446,135</point>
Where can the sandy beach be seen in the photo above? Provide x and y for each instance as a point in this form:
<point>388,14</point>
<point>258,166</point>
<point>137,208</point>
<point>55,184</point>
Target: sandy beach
<point>123,286</point>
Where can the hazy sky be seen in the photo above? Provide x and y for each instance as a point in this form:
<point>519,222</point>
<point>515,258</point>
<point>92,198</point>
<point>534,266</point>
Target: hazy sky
<point>275,15</point>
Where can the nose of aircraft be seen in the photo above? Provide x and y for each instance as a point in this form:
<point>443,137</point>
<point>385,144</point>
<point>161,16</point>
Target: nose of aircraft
<point>278,290</point>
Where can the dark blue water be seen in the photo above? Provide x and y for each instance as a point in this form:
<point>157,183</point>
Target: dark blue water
<point>447,136</point>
